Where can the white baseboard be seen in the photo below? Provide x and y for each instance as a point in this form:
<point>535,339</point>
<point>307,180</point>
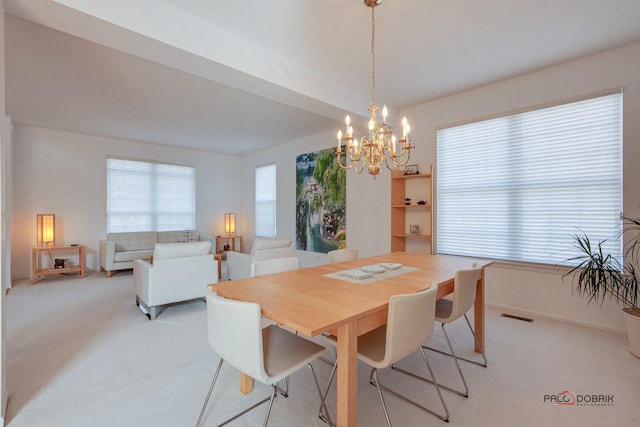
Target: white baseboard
<point>540,315</point>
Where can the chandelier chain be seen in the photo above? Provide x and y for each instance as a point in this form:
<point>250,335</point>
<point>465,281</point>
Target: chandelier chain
<point>380,146</point>
<point>373,57</point>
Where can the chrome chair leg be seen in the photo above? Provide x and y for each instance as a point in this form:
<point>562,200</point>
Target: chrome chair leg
<point>443,417</point>
<point>323,404</point>
<point>464,393</point>
<point>373,379</point>
<point>455,359</point>
<point>274,393</point>
<point>206,401</point>
<point>327,418</point>
<point>475,338</point>
<point>286,380</point>
<point>284,391</point>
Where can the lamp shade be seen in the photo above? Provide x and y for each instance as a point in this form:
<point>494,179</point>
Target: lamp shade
<point>45,229</point>
<point>230,223</point>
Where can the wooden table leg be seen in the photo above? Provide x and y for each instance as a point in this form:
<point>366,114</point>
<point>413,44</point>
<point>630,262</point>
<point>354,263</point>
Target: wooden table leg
<point>347,392</point>
<point>246,383</point>
<point>478,312</point>
<point>81,255</point>
<point>34,265</point>
<point>218,257</point>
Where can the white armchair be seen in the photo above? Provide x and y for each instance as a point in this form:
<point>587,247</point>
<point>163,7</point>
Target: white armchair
<point>239,264</point>
<point>180,272</point>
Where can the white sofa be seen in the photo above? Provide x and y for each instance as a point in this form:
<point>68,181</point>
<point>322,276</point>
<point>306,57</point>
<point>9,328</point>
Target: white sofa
<point>119,250</point>
<point>239,264</point>
<point>180,272</point>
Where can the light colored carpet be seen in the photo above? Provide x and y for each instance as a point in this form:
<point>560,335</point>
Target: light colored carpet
<point>79,353</point>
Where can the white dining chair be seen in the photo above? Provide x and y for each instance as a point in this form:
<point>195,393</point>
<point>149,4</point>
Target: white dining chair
<point>410,321</point>
<point>449,310</point>
<point>274,265</point>
<point>268,355</point>
<point>340,255</point>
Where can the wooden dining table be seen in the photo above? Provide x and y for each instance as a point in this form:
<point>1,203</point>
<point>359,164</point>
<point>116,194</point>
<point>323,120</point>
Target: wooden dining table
<point>316,300</point>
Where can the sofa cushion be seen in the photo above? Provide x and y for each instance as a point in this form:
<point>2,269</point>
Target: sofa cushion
<point>127,256</point>
<point>133,241</point>
<point>181,250</point>
<point>262,243</point>
<point>178,236</point>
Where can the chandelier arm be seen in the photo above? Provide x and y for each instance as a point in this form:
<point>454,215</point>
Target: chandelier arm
<point>345,166</point>
<point>386,163</point>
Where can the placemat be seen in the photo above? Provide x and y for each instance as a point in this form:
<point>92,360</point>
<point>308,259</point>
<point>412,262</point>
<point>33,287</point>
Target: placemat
<point>375,278</point>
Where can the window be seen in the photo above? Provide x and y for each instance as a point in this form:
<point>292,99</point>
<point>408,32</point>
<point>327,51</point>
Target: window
<point>266,201</point>
<point>149,196</point>
<point>519,187</point>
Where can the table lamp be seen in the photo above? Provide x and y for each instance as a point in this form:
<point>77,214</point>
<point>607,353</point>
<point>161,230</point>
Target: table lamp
<point>45,229</point>
<point>230,224</point>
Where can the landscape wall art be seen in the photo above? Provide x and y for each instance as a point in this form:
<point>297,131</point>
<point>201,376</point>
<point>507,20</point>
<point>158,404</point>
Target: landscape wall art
<point>321,194</point>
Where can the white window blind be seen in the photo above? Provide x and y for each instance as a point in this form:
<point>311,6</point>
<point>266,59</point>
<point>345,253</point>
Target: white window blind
<point>265,201</point>
<point>519,187</point>
<point>148,196</point>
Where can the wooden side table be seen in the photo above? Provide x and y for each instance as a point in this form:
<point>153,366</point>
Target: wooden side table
<point>232,240</point>
<point>219,257</point>
<point>36,255</point>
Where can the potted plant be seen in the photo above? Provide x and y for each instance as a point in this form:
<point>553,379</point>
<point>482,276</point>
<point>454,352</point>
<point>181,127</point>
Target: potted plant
<point>599,274</point>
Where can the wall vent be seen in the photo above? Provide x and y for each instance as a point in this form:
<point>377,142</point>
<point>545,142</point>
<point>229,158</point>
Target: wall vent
<point>512,316</point>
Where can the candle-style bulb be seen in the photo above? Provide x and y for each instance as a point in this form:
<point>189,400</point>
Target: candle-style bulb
<point>385,112</point>
<point>405,124</point>
<point>347,120</point>
<point>371,124</point>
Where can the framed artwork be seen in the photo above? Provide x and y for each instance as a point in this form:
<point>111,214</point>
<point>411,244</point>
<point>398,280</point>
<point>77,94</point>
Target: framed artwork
<point>411,170</point>
<point>321,195</point>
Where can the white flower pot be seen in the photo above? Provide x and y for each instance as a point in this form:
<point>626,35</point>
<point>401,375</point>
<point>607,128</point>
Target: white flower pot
<point>632,324</point>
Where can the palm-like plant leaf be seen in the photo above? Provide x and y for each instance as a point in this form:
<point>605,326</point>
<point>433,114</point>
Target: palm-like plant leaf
<point>596,274</point>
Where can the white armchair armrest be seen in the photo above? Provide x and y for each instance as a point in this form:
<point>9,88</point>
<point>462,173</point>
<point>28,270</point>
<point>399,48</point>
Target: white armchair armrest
<point>238,265</point>
<point>107,254</point>
<point>141,278</point>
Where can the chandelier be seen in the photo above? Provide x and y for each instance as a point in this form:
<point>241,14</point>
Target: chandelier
<point>380,145</point>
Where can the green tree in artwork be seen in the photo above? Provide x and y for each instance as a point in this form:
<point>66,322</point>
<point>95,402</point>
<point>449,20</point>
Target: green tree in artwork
<point>332,177</point>
<point>334,180</point>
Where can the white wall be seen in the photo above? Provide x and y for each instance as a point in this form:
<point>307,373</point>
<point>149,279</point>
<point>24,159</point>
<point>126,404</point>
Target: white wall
<point>528,290</point>
<point>367,199</point>
<point>531,290</point>
<point>65,174</point>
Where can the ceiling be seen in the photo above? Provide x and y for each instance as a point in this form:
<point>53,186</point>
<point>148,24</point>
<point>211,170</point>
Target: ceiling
<point>238,76</point>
